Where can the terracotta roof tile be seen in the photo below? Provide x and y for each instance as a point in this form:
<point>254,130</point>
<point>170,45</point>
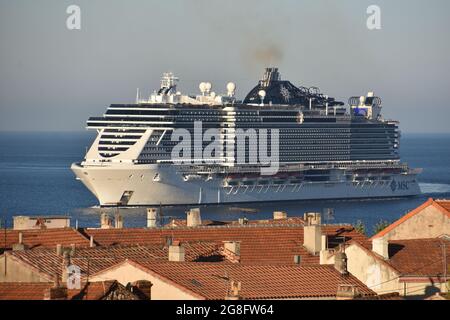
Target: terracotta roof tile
<point>415,258</point>
<point>93,291</point>
<point>36,290</point>
<point>386,296</point>
<point>23,291</point>
<point>272,244</point>
<point>420,257</point>
<point>49,264</point>
<point>444,204</point>
<point>43,237</point>
<point>212,281</point>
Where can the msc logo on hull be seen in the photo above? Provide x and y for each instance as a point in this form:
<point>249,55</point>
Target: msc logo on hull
<point>399,185</point>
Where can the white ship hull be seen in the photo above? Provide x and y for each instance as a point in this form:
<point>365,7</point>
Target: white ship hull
<point>110,183</point>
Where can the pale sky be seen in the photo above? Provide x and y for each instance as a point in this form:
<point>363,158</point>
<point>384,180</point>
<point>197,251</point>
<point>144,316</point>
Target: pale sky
<point>53,79</point>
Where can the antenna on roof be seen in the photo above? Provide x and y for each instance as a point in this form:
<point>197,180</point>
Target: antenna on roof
<point>4,228</point>
<point>329,214</point>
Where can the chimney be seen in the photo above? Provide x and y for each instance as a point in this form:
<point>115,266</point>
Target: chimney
<point>233,247</point>
<point>311,218</point>
<point>58,249</point>
<point>118,221</point>
<point>169,240</point>
<point>193,218</point>
<point>72,250</point>
<point>381,247</point>
<point>105,221</point>
<point>65,264</point>
<point>176,252</point>
<point>347,292</point>
<point>143,288</point>
<point>55,293</point>
<point>234,292</point>
<point>242,221</point>
<point>232,251</point>
<point>312,233</point>
<point>340,262</point>
<point>279,215</point>
<point>19,246</point>
<point>151,217</point>
<point>324,242</point>
<point>91,241</point>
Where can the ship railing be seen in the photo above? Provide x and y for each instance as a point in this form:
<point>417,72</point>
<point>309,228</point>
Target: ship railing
<point>292,168</point>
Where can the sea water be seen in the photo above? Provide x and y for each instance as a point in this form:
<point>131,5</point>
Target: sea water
<point>35,179</point>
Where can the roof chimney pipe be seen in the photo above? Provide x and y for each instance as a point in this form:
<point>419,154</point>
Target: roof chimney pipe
<point>151,217</point>
<point>312,218</point>
<point>105,221</point>
<point>118,221</point>
<point>58,249</point>
<point>312,233</point>
<point>340,262</point>
<point>235,291</point>
<point>381,247</point>
<point>64,271</point>
<point>72,249</point>
<point>19,246</point>
<point>347,292</point>
<point>193,218</point>
<point>232,251</point>
<point>176,252</point>
<point>279,215</point>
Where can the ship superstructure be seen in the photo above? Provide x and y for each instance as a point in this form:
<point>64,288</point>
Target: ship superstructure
<point>326,149</point>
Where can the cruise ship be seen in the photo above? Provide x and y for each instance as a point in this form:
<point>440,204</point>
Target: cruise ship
<point>321,147</point>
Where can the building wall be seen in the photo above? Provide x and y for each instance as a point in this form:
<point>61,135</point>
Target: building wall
<point>26,223</point>
<point>429,223</point>
<point>18,272</point>
<point>374,274</point>
<point>160,290</point>
<point>382,279</point>
<point>423,289</point>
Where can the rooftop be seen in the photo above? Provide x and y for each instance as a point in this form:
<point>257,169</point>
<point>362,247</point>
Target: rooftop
<point>43,238</point>
<point>36,290</point>
<point>420,257</point>
<point>442,205</point>
<point>49,264</point>
<point>259,243</point>
<point>416,258</point>
<point>212,280</point>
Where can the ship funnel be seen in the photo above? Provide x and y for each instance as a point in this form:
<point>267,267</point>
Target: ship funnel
<point>271,74</point>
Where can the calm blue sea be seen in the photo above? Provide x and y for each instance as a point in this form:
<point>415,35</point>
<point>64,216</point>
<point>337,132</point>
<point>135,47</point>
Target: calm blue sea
<point>35,179</point>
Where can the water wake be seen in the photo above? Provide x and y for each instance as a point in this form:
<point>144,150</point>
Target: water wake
<point>434,187</point>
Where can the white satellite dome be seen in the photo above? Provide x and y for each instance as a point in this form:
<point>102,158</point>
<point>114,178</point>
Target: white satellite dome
<point>231,88</point>
<point>208,86</point>
<point>262,93</point>
<point>202,87</point>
